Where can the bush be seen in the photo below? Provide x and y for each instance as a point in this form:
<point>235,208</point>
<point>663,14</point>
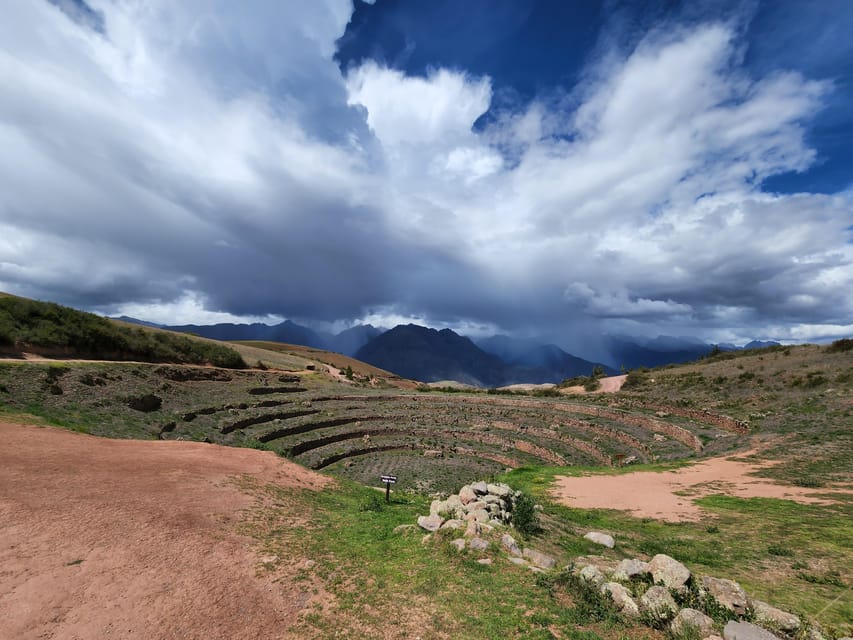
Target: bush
<point>524,516</point>
<point>845,344</point>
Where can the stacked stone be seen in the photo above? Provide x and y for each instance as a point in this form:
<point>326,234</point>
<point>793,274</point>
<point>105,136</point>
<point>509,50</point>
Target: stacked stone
<point>480,503</point>
<point>657,604</point>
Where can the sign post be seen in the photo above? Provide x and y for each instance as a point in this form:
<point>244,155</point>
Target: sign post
<point>388,480</point>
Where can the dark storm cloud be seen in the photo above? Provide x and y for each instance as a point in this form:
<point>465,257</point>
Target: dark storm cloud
<point>191,158</point>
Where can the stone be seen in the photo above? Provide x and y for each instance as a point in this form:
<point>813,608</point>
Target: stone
<point>728,593</point>
<point>519,561</point>
<point>269,559</point>
<point>658,604</point>
<point>426,538</point>
<point>668,571</point>
<point>480,488</point>
<point>605,565</point>
<point>485,561</point>
<point>430,523</point>
<point>478,544</point>
<point>630,568</point>
<point>433,453</point>
<point>454,503</point>
<point>510,545</point>
<point>472,528</point>
<point>499,490</point>
<point>746,631</point>
<point>480,515</point>
<point>601,538</point>
<point>490,500</point>
<point>453,524</point>
<point>458,544</point>
<point>539,559</point>
<point>466,495</point>
<point>775,617</point>
<point>473,506</point>
<point>437,506</point>
<point>621,598</point>
<point>402,528</point>
<point>692,619</point>
<point>592,574</point>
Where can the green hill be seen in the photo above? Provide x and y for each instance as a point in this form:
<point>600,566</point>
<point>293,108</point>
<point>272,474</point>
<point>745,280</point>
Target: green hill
<point>46,328</point>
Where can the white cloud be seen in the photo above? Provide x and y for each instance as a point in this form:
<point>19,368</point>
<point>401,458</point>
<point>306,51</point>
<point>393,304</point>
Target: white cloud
<point>202,158</point>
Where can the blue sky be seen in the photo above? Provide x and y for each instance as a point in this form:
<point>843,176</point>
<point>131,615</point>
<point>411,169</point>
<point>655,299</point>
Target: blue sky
<point>542,168</point>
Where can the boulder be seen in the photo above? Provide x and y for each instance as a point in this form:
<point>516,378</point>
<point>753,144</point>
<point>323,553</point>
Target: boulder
<point>431,522</point>
<point>510,545</point>
<point>692,619</point>
<point>668,571</point>
<point>478,544</point>
<point>605,565</point>
<point>658,604</point>
<point>472,528</point>
<point>621,598</point>
<point>601,538</point>
<point>402,528</point>
<point>473,506</point>
<point>499,490</point>
<point>453,524</point>
<point>746,631</point>
<point>728,593</point>
<point>519,561</point>
<point>480,488</point>
<point>454,503</point>
<point>466,495</point>
<point>479,515</point>
<point>539,559</point>
<point>630,568</point>
<point>775,617</point>
<point>592,575</point>
<point>458,544</point>
<point>490,500</point>
<point>437,506</point>
<point>433,453</point>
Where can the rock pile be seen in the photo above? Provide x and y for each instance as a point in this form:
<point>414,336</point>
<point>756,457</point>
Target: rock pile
<point>480,503</point>
<point>651,591</point>
<point>477,511</point>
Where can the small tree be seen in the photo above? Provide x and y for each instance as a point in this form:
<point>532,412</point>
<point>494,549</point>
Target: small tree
<point>348,372</point>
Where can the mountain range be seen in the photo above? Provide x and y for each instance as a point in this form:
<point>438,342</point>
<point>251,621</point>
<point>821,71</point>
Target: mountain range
<point>430,355</point>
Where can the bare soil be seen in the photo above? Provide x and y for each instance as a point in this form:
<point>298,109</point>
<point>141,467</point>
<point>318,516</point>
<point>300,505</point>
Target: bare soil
<point>130,539</point>
<point>670,495</point>
<point>610,384</point>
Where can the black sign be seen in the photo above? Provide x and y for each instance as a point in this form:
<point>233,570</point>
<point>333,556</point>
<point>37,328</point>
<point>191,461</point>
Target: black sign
<point>389,479</point>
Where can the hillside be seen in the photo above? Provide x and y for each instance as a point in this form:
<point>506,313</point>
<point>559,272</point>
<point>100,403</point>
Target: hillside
<point>791,406</point>
<point>46,328</point>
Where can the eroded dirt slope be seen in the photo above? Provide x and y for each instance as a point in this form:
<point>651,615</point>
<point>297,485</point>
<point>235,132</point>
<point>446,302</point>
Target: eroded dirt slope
<point>127,539</point>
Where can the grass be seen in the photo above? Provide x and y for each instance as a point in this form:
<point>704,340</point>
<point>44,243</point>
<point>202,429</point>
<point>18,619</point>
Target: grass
<point>55,330</point>
<point>795,556</point>
<point>373,575</point>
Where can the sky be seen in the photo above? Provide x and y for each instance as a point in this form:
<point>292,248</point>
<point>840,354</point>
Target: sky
<point>541,168</point>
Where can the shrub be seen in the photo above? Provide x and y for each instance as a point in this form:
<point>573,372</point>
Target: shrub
<point>845,344</point>
<point>524,516</point>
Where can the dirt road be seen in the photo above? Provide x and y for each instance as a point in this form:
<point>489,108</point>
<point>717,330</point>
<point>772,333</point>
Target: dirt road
<point>126,539</point>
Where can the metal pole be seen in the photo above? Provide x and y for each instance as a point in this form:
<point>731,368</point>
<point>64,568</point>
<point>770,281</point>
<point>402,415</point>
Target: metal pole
<point>387,492</point>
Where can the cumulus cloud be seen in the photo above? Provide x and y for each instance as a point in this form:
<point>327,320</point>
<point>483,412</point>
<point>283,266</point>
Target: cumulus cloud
<point>196,159</point>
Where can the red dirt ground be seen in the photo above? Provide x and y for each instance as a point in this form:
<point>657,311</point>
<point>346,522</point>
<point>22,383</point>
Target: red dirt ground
<point>131,539</point>
<point>655,494</point>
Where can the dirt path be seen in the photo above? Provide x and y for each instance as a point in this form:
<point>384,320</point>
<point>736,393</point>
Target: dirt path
<point>127,539</point>
<point>650,494</point>
<point>611,384</point>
